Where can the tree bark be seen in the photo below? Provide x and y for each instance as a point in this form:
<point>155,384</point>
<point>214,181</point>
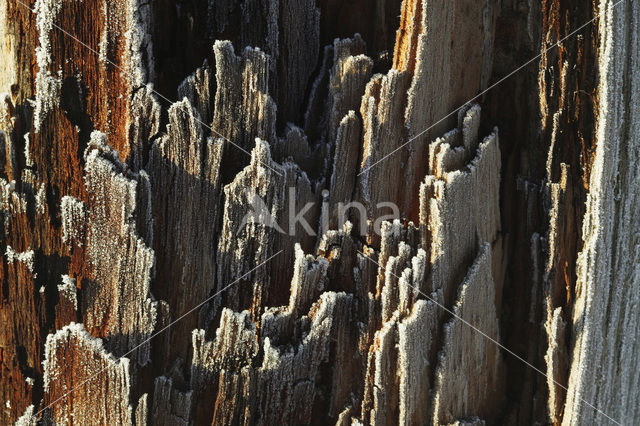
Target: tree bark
<point>175,179</point>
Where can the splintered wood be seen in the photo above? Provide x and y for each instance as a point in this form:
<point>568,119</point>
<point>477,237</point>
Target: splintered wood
<point>605,325</point>
<point>183,212</point>
<point>72,357</point>
<point>309,234</point>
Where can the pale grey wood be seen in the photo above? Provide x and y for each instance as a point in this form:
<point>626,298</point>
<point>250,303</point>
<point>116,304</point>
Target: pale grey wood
<point>605,352</point>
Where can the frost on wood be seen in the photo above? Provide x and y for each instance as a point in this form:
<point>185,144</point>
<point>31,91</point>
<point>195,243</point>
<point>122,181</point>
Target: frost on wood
<point>117,302</point>
<point>184,168</point>
<point>47,85</point>
<point>67,307</point>
<point>400,282</point>
<point>348,77</point>
<point>142,410</point>
<point>243,109</point>
<point>199,89</point>
<point>460,206</point>
<point>288,372</point>
<point>256,226</point>
<point>294,340</point>
<point>7,50</point>
<point>74,221</point>
<point>452,53</point>
<point>295,147</point>
<point>605,325</point>
<point>12,202</point>
<point>557,362</point>
<point>347,81</point>
<point>345,161</point>
<point>379,401</point>
<point>139,42</point>
<point>71,357</point>
<point>561,245</point>
<point>28,418</point>
<point>344,324</point>
<point>309,276</point>
<point>143,125</point>
<point>383,125</point>
<point>123,51</point>
<point>26,258</point>
<point>21,317</point>
<point>221,370</point>
<point>67,291</point>
<point>557,289</point>
<point>468,376</point>
<point>335,93</point>
<point>252,204</point>
<point>170,405</point>
<point>416,334</point>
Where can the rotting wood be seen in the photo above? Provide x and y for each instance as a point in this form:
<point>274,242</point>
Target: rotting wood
<point>72,356</point>
<point>122,211</point>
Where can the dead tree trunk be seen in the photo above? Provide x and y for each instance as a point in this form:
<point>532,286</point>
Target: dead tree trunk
<point>320,212</point>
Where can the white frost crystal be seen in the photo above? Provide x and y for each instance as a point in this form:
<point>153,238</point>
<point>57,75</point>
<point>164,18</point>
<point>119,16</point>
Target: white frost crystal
<point>26,257</point>
<point>47,86</point>
<point>68,289</point>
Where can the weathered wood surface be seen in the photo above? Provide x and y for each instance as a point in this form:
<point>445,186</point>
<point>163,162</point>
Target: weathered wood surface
<point>604,322</point>
<point>122,211</point>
